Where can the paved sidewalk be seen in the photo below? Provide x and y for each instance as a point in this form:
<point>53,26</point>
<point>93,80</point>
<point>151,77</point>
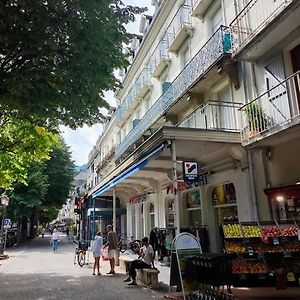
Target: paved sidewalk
<point>34,272</point>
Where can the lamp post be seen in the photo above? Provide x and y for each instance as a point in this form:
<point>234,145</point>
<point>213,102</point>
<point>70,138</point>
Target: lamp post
<point>4,202</point>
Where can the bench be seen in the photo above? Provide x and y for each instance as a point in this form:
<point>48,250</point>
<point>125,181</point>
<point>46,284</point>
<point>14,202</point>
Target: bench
<point>124,262</point>
<point>149,277</point>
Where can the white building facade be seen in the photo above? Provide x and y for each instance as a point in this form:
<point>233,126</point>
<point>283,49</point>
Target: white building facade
<point>186,97</point>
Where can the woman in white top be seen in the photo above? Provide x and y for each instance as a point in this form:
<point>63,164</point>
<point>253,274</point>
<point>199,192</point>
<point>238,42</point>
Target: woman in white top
<point>54,240</point>
<point>98,244</point>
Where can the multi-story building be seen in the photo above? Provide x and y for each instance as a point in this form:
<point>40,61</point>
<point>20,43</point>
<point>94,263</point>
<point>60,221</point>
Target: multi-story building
<point>267,44</point>
<point>187,97</point>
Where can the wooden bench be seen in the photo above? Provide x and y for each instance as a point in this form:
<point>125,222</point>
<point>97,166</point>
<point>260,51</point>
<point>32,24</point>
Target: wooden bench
<point>149,277</point>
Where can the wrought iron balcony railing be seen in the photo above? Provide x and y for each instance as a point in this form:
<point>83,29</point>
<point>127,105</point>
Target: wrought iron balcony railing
<point>255,16</point>
<point>215,48</point>
<point>138,90</point>
<point>160,57</point>
<point>179,27</point>
<point>272,111</point>
<point>215,115</point>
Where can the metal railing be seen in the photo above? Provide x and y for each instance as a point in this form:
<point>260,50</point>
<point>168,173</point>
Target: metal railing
<point>182,18</point>
<point>159,53</point>
<point>216,47</point>
<point>255,16</point>
<point>215,115</point>
<point>142,81</point>
<point>274,110</point>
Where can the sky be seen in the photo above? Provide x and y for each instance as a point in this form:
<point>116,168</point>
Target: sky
<point>82,140</point>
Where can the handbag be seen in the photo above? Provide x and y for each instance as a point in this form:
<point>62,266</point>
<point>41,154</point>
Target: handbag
<point>104,253</point>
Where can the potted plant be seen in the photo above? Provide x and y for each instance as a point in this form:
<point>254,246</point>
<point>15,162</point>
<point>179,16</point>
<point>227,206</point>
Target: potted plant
<point>258,121</point>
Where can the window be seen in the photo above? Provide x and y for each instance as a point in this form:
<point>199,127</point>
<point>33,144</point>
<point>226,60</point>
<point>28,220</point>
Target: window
<point>185,54</point>
<point>216,19</point>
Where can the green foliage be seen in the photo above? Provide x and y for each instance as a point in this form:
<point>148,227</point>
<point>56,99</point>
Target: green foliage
<point>60,171</point>
<point>57,57</point>
<point>47,188</point>
<point>21,144</point>
<point>26,198</point>
<point>258,121</point>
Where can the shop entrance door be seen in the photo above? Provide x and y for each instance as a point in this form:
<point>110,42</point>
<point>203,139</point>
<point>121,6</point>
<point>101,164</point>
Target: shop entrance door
<point>278,102</point>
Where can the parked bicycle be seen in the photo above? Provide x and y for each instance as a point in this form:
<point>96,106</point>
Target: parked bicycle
<point>132,244</point>
<point>80,253</point>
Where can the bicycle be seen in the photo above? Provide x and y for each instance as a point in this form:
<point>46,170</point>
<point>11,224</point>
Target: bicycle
<point>80,253</point>
<point>134,245</point>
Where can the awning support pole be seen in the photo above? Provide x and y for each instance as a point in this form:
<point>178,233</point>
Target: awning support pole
<point>114,210</point>
<point>175,187</point>
<point>94,221</point>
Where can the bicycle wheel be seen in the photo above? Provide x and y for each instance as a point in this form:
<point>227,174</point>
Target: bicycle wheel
<point>81,258</point>
<point>135,246</point>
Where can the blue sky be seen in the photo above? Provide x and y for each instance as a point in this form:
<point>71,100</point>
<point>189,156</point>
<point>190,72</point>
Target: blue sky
<point>82,140</point>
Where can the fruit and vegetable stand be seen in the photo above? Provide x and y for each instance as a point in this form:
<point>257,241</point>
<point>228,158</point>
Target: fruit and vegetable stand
<point>263,253</point>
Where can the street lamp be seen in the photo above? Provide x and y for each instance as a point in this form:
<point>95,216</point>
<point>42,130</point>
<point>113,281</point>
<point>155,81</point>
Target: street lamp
<point>4,202</point>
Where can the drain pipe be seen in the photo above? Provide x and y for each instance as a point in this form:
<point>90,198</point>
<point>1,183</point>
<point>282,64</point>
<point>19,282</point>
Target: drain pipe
<point>249,152</point>
<point>252,185</point>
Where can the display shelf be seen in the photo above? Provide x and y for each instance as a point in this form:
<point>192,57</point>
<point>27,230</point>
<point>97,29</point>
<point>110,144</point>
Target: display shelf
<point>250,230</point>
<point>232,230</point>
<point>244,266</point>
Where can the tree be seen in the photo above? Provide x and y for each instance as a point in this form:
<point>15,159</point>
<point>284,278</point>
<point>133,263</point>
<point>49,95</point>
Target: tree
<point>48,185</point>
<point>21,144</point>
<point>60,171</point>
<point>57,57</point>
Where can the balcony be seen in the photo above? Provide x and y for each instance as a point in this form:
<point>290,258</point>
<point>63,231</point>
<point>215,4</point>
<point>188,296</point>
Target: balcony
<point>215,115</point>
<point>180,28</point>
<point>273,112</point>
<point>142,85</point>
<point>160,58</point>
<point>200,7</point>
<point>125,108</point>
<point>218,46</point>
<point>261,25</point>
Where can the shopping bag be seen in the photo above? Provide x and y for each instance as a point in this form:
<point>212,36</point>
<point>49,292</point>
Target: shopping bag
<point>104,253</point>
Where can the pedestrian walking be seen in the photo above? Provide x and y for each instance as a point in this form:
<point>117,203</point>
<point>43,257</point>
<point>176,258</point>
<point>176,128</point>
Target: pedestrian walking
<point>67,232</point>
<point>146,261</point>
<point>98,244</point>
<point>54,240</point>
<point>112,246</point>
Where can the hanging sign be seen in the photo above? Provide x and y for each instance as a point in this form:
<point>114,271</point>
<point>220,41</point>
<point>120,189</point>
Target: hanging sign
<point>190,171</point>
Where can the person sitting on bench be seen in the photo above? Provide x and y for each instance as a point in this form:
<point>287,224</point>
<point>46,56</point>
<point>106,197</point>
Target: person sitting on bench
<point>146,255</point>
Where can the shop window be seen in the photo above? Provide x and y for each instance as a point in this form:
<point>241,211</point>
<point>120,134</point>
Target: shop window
<point>192,200</point>
<point>224,194</point>
<point>285,202</point>
<point>151,208</point>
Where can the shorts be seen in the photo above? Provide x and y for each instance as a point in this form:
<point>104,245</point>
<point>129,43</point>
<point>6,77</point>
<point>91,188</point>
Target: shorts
<point>111,253</point>
<point>96,253</point>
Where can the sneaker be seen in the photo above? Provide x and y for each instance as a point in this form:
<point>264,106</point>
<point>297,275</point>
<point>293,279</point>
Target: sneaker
<point>127,280</point>
<point>132,283</point>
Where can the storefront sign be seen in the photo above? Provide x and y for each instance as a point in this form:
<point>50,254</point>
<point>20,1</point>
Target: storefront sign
<point>190,171</point>
<point>182,186</point>
<point>184,246</point>
<point>138,199</point>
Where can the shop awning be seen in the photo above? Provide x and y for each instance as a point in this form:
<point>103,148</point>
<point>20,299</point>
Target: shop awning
<point>129,171</point>
<point>105,213</point>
